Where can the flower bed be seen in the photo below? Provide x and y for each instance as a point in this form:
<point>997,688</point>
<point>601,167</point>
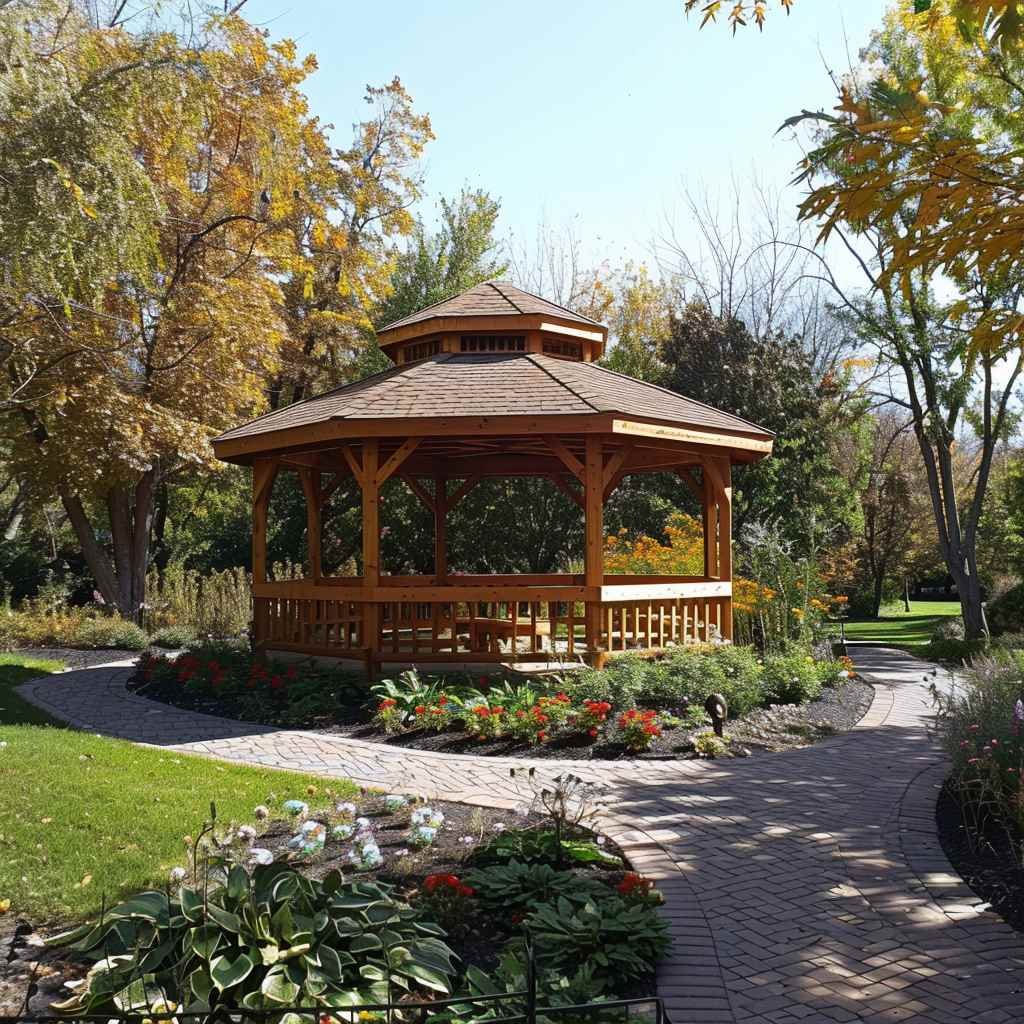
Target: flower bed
<point>635,708</point>
<point>981,811</point>
<point>373,899</point>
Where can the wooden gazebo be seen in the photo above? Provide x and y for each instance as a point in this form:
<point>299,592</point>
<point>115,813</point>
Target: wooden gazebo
<point>492,382</point>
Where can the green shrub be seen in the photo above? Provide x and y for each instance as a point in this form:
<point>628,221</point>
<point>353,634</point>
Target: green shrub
<point>619,940</point>
<point>262,941</point>
<point>540,846</point>
<point>982,727</point>
<point>110,633</point>
<point>520,886</point>
<point>1006,613</point>
<point>684,676</point>
<point>709,745</point>
<point>954,652</point>
<point>791,678</point>
<point>173,637</point>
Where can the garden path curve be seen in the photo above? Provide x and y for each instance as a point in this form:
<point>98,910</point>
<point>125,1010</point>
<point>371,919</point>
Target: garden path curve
<point>802,886</point>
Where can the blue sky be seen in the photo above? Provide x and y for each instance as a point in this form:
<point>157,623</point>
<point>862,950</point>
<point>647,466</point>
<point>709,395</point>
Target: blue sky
<point>596,113</point>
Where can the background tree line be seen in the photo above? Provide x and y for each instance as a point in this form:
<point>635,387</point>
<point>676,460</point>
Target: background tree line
<point>184,248</point>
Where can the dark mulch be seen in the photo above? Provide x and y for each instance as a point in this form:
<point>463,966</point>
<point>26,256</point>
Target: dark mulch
<point>782,727</point>
<point>990,864</point>
<point>75,658</point>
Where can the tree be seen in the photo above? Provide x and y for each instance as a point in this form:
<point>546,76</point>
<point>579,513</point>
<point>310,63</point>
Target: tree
<point>117,396</point>
<point>638,323</point>
<point>891,506</point>
<point>463,252</point>
<point>346,247</point>
<point>952,365</point>
<point>769,381</point>
<point>1000,21</point>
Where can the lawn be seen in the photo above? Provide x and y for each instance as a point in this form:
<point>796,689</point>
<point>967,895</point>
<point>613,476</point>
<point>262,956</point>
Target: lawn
<point>907,630</point>
<point>84,818</point>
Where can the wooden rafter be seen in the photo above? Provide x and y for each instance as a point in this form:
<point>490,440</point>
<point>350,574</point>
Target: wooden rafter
<point>615,462</point>
<point>569,460</point>
<point>353,463</point>
<point>419,490</point>
<point>462,491</point>
<point>392,464</point>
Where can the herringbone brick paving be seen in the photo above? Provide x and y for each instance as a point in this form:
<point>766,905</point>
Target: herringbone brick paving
<point>804,886</point>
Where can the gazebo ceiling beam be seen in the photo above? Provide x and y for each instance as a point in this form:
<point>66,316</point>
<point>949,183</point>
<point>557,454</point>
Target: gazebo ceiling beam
<point>420,491</point>
<point>462,491</point>
<point>569,460</point>
<point>391,465</point>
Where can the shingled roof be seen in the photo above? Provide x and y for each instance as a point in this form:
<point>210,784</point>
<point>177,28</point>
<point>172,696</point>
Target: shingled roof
<point>492,298</point>
<point>520,384</point>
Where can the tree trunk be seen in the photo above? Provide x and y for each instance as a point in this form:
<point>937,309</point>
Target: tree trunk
<point>876,600</point>
<point>95,557</point>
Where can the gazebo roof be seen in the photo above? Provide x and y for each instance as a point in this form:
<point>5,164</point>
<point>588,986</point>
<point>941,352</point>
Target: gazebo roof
<point>492,298</point>
<point>513,388</point>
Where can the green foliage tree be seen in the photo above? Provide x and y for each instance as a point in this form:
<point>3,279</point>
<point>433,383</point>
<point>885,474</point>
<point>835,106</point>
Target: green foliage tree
<point>184,190</point>
<point>769,381</point>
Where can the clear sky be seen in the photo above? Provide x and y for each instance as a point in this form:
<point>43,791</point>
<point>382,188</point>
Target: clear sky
<point>590,111</point>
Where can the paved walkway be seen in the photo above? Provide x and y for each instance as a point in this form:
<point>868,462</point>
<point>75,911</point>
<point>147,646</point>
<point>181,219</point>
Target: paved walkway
<point>803,886</point>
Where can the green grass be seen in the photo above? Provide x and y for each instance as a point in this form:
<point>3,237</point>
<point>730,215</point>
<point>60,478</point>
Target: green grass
<point>909,631</point>
<point>14,670</point>
<point>83,817</point>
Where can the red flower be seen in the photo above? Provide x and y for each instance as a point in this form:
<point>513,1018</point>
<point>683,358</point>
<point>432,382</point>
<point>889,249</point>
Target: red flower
<point>386,703</point>
<point>276,683</point>
<point>434,882</point>
<point>592,732</point>
<point>421,709</point>
<point>634,885</point>
<point>542,736</point>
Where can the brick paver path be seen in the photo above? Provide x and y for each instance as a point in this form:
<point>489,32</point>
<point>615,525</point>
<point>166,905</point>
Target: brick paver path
<point>804,886</point>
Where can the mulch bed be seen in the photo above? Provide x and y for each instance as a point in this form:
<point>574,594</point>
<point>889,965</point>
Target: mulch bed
<point>782,727</point>
<point>75,658</point>
<point>990,866</point>
<point>23,955</point>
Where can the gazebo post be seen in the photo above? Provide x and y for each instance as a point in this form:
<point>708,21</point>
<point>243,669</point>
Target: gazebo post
<point>371,549</point>
<point>711,566</point>
<point>263,473</point>
<point>311,488</point>
<point>441,528</point>
<point>593,515</point>
<point>725,538</point>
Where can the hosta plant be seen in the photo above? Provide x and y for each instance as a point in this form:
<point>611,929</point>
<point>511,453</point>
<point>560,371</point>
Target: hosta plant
<point>265,940</point>
<point>522,886</point>
<point>620,940</point>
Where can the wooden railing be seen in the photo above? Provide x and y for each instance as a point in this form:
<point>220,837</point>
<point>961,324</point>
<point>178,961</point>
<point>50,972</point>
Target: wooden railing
<point>503,620</point>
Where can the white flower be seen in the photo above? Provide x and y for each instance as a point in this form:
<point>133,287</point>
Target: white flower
<point>257,855</point>
<point>261,813</point>
<point>3,745</point>
<point>246,833</point>
<point>499,826</point>
<point>402,852</point>
<point>422,835</point>
<point>600,840</point>
<point>394,802</point>
<point>467,840</point>
<point>427,816</point>
<point>178,874</point>
<point>343,831</point>
<point>364,824</point>
<point>347,810</point>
